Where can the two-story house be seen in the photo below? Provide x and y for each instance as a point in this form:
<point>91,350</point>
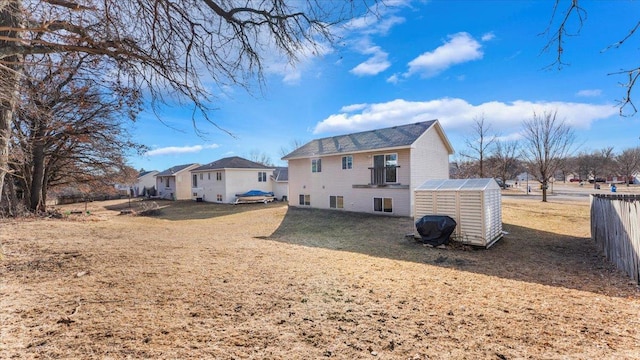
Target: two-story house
<point>173,183</point>
<point>221,180</point>
<point>373,171</point>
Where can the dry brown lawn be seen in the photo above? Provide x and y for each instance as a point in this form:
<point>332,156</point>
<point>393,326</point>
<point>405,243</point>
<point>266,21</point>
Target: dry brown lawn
<point>267,282</point>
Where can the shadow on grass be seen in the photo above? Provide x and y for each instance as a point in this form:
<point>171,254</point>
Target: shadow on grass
<point>188,209</point>
<point>524,254</point>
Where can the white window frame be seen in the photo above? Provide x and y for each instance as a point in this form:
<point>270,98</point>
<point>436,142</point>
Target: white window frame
<point>304,200</point>
<point>383,209</point>
<point>347,162</point>
<point>338,202</point>
<point>316,165</point>
<point>262,176</point>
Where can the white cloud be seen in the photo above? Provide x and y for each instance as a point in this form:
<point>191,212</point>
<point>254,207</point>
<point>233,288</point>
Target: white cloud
<point>458,114</point>
<point>374,65</point>
<point>277,64</point>
<point>373,24</point>
<point>393,79</point>
<point>353,107</point>
<point>488,37</point>
<point>460,48</point>
<point>589,93</point>
<point>176,150</point>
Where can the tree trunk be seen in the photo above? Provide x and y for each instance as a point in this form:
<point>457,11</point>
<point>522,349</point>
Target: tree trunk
<point>9,203</point>
<point>5,132</point>
<point>37,179</point>
<point>10,17</point>
<point>544,191</point>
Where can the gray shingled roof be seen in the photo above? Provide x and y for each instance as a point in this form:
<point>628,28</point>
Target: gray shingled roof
<point>396,136</point>
<point>143,173</point>
<point>174,169</point>
<point>281,174</point>
<point>234,162</point>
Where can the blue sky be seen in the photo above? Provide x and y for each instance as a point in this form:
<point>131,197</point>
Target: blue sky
<point>449,60</point>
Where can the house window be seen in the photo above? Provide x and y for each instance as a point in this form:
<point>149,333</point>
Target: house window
<point>208,176</point>
<point>383,205</point>
<point>305,199</point>
<point>167,181</point>
<point>384,169</point>
<point>219,197</point>
<point>336,202</point>
<point>347,162</point>
<point>201,176</point>
<point>262,176</point>
<point>195,194</point>
<point>219,176</point>
<point>194,182</point>
<point>316,165</point>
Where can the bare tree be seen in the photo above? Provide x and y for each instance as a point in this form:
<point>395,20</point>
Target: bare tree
<point>293,144</point>
<point>461,168</point>
<point>566,21</point>
<point>597,164</point>
<point>480,143</point>
<point>163,46</point>
<point>66,121</point>
<point>260,157</point>
<point>547,142</point>
<point>628,163</point>
<point>504,160</point>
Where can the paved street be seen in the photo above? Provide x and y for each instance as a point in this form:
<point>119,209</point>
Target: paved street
<point>567,191</point>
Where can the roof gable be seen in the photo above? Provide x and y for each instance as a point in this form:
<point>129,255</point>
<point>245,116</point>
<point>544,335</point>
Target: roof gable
<point>234,162</point>
<point>174,170</point>
<point>396,136</point>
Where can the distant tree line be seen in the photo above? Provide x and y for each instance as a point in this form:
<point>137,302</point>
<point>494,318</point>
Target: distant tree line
<point>545,150</point>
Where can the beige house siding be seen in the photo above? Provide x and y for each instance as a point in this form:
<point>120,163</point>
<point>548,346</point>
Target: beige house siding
<point>179,184</point>
<point>234,181</point>
<point>146,181</point>
<point>164,191</point>
<point>183,186</point>
<point>209,187</point>
<point>335,181</point>
<point>422,153</point>
<point>280,189</point>
<point>429,160</point>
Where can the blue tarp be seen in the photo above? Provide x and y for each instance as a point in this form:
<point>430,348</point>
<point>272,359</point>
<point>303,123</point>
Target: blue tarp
<point>256,193</point>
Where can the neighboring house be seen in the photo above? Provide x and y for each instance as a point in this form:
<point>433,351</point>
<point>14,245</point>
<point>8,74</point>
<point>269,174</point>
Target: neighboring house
<point>146,180</point>
<point>222,179</point>
<point>174,183</point>
<point>373,171</point>
<point>280,179</point>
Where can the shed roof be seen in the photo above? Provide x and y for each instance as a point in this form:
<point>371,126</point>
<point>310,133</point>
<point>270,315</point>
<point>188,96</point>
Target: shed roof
<point>396,136</point>
<point>233,162</point>
<point>459,184</point>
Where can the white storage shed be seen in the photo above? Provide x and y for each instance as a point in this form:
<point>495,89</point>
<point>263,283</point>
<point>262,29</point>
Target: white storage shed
<point>475,205</point>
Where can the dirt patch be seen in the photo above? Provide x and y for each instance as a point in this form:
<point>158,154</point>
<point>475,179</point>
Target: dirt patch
<point>268,282</point>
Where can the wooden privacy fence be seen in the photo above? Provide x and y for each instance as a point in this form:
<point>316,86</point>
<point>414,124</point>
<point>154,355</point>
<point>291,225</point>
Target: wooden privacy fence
<point>615,228</point>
